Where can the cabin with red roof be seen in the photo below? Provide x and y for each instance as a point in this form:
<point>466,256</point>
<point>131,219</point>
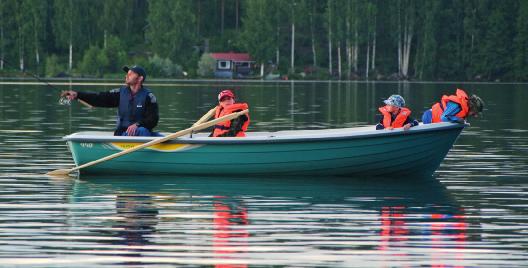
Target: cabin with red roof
<point>232,65</point>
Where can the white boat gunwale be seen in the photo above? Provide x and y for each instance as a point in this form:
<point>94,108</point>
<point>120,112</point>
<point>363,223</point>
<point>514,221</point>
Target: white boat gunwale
<point>284,136</point>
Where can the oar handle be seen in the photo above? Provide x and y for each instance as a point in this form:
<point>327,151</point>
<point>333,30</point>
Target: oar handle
<point>163,139</point>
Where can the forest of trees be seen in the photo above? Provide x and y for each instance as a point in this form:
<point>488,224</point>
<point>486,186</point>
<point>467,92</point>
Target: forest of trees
<point>471,40</point>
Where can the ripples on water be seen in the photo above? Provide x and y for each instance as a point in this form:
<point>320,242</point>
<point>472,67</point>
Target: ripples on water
<point>472,214</point>
<point>198,221</point>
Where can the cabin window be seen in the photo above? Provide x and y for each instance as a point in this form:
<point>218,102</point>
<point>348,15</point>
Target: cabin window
<point>224,65</point>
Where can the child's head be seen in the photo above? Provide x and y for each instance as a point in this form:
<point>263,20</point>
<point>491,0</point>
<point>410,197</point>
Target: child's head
<point>226,97</point>
<point>395,100</point>
<point>476,105</point>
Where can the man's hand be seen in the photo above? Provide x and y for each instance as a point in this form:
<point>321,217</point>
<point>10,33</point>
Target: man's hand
<point>131,130</point>
<point>407,126</point>
<point>69,94</point>
<point>389,128</point>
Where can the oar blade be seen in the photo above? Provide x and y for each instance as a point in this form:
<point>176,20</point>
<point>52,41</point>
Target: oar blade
<point>59,172</point>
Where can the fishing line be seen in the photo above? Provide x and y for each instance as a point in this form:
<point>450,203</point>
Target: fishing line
<point>62,101</point>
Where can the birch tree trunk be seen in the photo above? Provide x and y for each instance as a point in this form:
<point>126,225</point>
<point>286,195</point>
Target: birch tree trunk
<point>399,42</point>
<point>367,61</point>
<point>355,50</point>
<point>292,65</point>
<point>21,59</point>
<point>312,30</point>
<point>407,49</point>
<point>347,47</point>
<point>349,58</point>
<point>37,56</point>
<point>405,36</point>
<point>222,9</point>
<point>70,58</point>
<point>373,65</point>
<point>2,53</point>
<point>262,70</point>
<point>421,70</point>
<point>36,42</point>
<point>277,54</point>
<point>408,34</point>
<point>339,59</point>
<point>104,40</point>
<point>20,48</point>
<point>330,38</point>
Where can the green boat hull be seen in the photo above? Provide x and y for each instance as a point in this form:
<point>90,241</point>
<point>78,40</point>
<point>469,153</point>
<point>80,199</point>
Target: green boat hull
<point>341,152</point>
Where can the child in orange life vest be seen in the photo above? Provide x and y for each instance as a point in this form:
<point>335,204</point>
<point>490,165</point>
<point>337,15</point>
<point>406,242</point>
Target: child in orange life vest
<point>454,108</point>
<point>395,115</point>
<point>227,105</point>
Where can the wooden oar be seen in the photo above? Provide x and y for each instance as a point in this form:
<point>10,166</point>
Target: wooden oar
<point>205,117</point>
<point>64,172</point>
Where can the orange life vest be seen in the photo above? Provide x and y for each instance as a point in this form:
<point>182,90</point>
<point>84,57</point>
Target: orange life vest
<point>224,127</point>
<point>461,98</point>
<point>398,121</point>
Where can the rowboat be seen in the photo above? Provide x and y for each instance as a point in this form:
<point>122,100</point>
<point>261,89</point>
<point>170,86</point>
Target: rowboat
<point>326,152</point>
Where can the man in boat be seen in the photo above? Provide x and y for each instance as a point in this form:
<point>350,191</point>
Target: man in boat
<point>454,108</point>
<point>227,105</point>
<point>395,115</point>
<point>137,106</point>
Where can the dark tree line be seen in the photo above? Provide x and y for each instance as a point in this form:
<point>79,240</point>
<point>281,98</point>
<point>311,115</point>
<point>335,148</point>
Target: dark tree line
<point>339,39</point>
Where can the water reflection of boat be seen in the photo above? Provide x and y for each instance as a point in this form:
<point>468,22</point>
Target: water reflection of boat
<point>383,192</point>
<point>228,214</point>
<point>423,189</point>
<point>349,151</point>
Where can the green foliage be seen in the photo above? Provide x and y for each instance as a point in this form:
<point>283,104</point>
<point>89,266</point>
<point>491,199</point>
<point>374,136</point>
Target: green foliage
<point>206,65</point>
<point>99,61</point>
<point>53,66</point>
<point>258,36</point>
<point>94,61</point>
<point>163,67</point>
<point>314,73</point>
<point>228,41</point>
<point>451,39</point>
<point>521,43</point>
<point>499,37</point>
<point>171,31</point>
<point>449,64</point>
<point>115,54</point>
<point>426,56</point>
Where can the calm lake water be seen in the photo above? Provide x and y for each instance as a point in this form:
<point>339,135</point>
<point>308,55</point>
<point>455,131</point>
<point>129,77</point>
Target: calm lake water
<point>472,213</point>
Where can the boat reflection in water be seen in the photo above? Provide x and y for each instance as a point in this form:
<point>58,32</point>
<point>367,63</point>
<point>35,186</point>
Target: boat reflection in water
<point>228,239</point>
<point>137,218</point>
<point>239,222</point>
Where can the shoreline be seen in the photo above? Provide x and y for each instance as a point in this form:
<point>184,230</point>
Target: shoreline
<point>173,82</point>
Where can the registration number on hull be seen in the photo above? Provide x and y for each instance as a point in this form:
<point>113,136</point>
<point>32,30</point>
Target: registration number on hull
<point>86,145</point>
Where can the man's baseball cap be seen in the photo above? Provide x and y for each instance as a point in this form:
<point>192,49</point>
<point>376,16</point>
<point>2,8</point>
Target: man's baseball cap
<point>136,69</point>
